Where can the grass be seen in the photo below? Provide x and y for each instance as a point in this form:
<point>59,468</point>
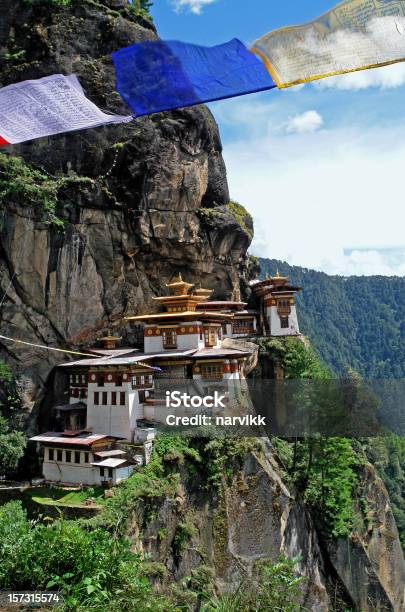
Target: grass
<point>58,496</point>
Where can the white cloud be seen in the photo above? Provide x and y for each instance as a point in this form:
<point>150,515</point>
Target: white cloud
<point>365,263</point>
<point>310,121</point>
<point>194,6</point>
<point>387,77</point>
<point>314,193</point>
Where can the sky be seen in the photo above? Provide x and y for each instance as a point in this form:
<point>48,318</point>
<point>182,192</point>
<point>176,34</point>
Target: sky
<point>321,167</point>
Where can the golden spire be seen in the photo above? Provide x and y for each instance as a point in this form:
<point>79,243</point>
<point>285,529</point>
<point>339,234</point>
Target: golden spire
<point>179,286</point>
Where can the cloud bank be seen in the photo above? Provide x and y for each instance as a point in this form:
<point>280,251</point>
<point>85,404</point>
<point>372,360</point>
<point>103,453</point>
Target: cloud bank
<point>388,77</point>
<point>314,191</point>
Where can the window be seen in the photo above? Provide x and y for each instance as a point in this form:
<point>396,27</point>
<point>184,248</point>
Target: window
<point>242,326</point>
<point>141,381</point>
<point>59,455</point>
<point>77,456</point>
<point>284,322</point>
<point>84,379</point>
<point>50,454</point>
<point>212,371</point>
<point>86,457</point>
<point>68,456</point>
<point>83,393</point>
<point>105,397</point>
<point>114,398</point>
<point>119,380</point>
<point>102,472</point>
<point>101,380</point>
<point>122,398</point>
<point>210,335</point>
<point>96,398</point>
<point>283,307</point>
<point>110,472</point>
<point>169,338</point>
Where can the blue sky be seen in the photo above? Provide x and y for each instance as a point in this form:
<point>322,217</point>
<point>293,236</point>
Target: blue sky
<point>320,167</point>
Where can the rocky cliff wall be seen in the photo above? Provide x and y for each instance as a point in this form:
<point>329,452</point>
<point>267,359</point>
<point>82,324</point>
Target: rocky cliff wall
<point>254,516</point>
<point>143,201</point>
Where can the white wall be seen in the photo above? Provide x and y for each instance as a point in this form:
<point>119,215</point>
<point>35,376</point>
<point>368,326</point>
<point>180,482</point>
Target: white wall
<point>189,341</point>
<point>122,473</point>
<point>109,419</point>
<point>275,323</point>
<point>82,474</point>
<point>153,344</point>
<point>70,473</point>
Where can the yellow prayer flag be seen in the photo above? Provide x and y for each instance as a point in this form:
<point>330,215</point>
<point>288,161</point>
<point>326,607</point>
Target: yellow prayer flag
<point>355,35</point>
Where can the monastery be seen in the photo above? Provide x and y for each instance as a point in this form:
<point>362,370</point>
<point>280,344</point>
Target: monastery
<point>115,399</point>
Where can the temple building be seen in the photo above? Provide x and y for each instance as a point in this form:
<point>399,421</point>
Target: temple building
<point>116,395</point>
<point>275,297</point>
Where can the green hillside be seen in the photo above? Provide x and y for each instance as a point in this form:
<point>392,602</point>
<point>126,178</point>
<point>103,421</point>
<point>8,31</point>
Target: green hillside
<point>357,321</point>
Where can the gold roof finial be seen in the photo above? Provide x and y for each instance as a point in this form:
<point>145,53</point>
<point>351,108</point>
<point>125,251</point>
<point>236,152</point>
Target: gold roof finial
<point>278,273</point>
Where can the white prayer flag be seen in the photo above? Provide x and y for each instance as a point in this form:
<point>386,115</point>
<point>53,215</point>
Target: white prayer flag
<point>47,106</point>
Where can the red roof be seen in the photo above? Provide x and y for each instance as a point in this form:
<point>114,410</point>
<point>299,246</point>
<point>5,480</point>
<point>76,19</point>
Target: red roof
<point>54,437</point>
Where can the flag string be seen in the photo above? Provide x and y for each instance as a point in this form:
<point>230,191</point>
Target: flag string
<point>48,348</point>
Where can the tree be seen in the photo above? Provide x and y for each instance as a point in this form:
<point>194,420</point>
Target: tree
<point>12,446</point>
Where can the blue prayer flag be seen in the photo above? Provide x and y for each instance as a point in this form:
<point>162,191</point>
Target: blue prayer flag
<point>154,76</point>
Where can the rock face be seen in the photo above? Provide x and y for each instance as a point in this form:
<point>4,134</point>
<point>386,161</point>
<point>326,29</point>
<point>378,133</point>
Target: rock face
<point>256,516</point>
<point>371,564</point>
<point>130,228</point>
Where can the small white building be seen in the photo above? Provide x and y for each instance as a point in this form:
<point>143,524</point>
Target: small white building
<point>277,306</point>
<point>83,459</point>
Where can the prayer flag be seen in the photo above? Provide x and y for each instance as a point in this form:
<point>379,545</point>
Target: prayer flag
<point>355,35</point>
<point>155,76</point>
<point>47,106</point>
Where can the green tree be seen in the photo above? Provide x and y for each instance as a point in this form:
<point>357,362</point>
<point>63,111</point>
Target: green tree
<point>12,446</point>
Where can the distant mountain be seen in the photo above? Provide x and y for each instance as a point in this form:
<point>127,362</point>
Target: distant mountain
<point>356,321</point>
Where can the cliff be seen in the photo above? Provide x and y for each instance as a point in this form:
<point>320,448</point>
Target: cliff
<point>219,508</point>
<point>133,205</point>
<point>93,225</point>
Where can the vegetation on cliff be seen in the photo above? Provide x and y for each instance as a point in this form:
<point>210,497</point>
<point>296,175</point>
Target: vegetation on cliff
<point>323,470</point>
<point>22,182</point>
<point>12,442</point>
<point>213,218</point>
<point>138,8</point>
